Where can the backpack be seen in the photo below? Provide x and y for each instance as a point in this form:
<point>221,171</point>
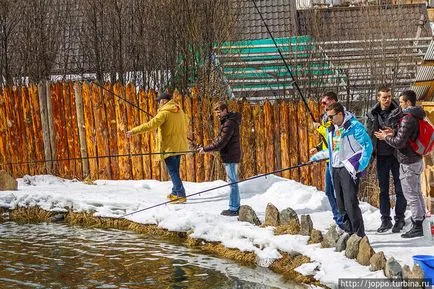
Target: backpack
<point>424,142</point>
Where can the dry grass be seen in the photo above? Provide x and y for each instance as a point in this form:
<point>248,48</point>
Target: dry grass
<point>286,265</point>
<point>30,215</point>
<point>292,228</point>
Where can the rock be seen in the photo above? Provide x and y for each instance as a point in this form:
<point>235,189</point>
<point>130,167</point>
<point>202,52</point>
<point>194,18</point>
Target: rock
<point>352,246</point>
<point>393,269</point>
<point>377,261</point>
<point>341,244</point>
<point>247,214</point>
<point>415,275</point>
<point>271,216</point>
<point>315,237</point>
<point>7,182</point>
<point>365,252</point>
<point>58,218</point>
<point>288,215</point>
<point>406,272</point>
<point>330,238</point>
<point>417,272</point>
<point>306,225</point>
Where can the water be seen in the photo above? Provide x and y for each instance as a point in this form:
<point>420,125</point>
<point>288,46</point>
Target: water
<point>59,256</point>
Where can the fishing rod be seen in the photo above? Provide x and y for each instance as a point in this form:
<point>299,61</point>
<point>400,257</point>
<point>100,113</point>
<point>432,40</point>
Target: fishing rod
<point>222,186</point>
<point>106,156</point>
<point>294,82</point>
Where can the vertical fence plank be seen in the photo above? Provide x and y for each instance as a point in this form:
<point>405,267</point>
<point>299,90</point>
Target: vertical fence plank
<point>258,116</point>
<point>90,130</point>
<point>110,110</point>
<point>269,143</point>
<point>78,93</point>
<point>198,123</point>
<point>189,158</point>
<point>122,122</point>
<point>101,132</point>
<point>69,138</point>
<point>19,142</point>
<point>11,130</point>
<point>276,136</point>
<point>207,137</point>
<point>51,130</point>
<point>133,121</point>
<point>247,141</point>
<point>4,158</point>
<point>217,169</point>
<point>145,144</point>
<point>72,131</point>
<point>155,159</point>
<point>316,175</point>
<point>37,129</point>
<point>58,128</point>
<point>29,136</point>
<point>284,138</point>
<point>183,166</point>
<point>303,145</point>
<point>293,139</point>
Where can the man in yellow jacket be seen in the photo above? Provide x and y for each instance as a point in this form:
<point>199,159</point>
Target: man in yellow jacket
<point>172,142</point>
<point>327,99</point>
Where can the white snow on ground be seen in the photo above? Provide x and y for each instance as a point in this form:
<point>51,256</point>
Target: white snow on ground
<point>201,218</point>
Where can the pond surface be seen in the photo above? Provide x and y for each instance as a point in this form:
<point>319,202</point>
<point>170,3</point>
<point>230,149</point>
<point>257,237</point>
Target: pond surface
<point>60,256</point>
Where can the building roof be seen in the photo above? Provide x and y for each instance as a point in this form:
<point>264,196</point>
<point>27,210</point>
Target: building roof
<point>424,83</point>
<point>372,45</point>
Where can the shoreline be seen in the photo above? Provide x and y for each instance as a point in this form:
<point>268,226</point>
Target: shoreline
<point>284,266</point>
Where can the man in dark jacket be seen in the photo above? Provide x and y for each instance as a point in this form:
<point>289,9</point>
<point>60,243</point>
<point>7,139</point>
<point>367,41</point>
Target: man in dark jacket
<point>228,143</point>
<point>411,164</point>
<point>386,113</point>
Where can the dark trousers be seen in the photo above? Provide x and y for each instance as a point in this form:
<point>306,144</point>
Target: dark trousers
<point>385,165</point>
<point>172,164</point>
<point>346,197</point>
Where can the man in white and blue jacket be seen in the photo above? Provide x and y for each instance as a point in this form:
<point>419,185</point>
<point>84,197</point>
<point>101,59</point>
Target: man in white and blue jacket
<point>349,151</point>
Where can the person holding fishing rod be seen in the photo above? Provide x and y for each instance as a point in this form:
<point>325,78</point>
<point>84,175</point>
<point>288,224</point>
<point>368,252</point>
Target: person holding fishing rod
<point>172,125</point>
<point>229,144</point>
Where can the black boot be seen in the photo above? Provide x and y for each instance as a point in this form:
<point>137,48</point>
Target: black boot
<point>415,231</point>
<point>386,224</point>
<point>399,224</point>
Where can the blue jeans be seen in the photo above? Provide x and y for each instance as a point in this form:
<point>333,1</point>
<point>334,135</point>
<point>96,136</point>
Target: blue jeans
<point>172,164</point>
<point>232,176</point>
<point>330,193</point>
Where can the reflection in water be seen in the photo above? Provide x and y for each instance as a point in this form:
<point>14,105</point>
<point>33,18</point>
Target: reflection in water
<point>58,256</point>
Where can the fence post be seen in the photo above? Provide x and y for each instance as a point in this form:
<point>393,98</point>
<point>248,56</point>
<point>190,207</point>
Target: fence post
<point>81,131</point>
<point>51,124</point>
<point>42,89</point>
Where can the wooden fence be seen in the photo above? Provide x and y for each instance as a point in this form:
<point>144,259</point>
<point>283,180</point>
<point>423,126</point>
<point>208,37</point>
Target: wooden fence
<point>81,128</point>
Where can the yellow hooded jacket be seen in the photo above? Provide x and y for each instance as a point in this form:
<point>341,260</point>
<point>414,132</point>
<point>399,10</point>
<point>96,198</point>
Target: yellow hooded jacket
<point>172,124</point>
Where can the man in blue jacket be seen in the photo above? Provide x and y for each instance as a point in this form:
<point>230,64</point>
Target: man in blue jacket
<point>350,149</point>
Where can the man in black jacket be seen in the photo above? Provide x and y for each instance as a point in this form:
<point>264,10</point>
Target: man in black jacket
<point>229,145</point>
<point>411,164</point>
<point>386,113</point>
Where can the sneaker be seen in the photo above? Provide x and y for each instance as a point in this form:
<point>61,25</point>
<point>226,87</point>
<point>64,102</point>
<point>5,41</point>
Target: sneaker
<point>171,196</point>
<point>178,200</point>
<point>340,229</point>
<point>397,227</point>
<point>386,224</point>
<point>415,231</point>
<point>229,213</point>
